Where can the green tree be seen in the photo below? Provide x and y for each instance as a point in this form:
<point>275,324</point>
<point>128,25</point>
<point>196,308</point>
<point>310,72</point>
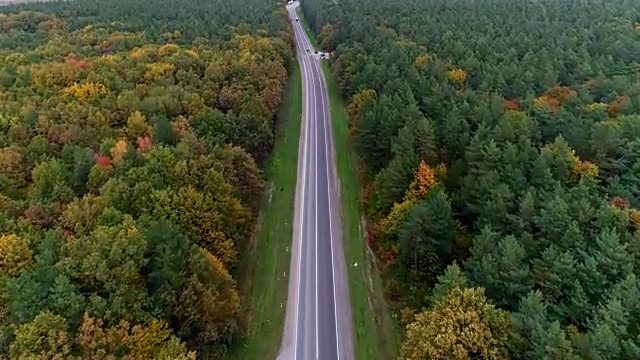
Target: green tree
<point>45,337</point>
<point>50,182</point>
<point>503,271</point>
<point>197,292</point>
<point>426,239</point>
<point>534,336</point>
<point>108,262</point>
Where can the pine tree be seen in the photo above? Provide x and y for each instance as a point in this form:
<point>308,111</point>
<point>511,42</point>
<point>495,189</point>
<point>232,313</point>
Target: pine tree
<point>453,277</point>
<point>534,335</point>
<point>429,229</point>
<point>503,271</point>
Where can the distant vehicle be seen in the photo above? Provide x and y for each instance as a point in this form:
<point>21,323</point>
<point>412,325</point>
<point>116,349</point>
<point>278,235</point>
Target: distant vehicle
<point>308,50</point>
<point>290,2</point>
<point>322,55</point>
<point>297,19</point>
<point>315,51</point>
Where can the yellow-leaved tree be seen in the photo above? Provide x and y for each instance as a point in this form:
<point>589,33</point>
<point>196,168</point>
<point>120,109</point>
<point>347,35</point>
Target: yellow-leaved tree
<point>421,61</point>
<point>158,70</point>
<point>118,150</point>
<point>326,37</point>
<point>462,325</point>
<point>581,169</point>
<point>84,91</point>
<point>634,217</point>
<point>137,126</point>
<point>424,180</point>
<point>359,100</point>
<point>15,255</point>
<point>458,75</point>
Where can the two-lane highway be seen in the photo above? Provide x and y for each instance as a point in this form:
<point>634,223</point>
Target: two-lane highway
<point>318,323</point>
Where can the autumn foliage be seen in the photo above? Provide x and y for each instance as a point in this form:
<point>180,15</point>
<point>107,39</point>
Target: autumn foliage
<point>614,106</point>
<point>144,143</point>
<point>457,75</point>
<point>619,203</point>
<point>460,326</point>
<point>388,229</point>
<point>95,340</point>
<point>75,63</point>
<point>421,61</point>
<point>103,161</point>
<point>581,169</point>
<point>537,124</point>
<point>131,156</point>
<point>15,255</point>
<point>157,70</point>
<point>555,97</point>
<point>358,102</point>
<point>85,91</point>
<point>118,150</point>
<point>634,216</point>
<point>513,104</point>
<point>424,180</point>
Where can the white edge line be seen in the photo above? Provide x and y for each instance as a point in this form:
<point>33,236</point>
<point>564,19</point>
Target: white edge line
<point>307,42</point>
<point>300,239</point>
<point>315,142</point>
<point>333,270</point>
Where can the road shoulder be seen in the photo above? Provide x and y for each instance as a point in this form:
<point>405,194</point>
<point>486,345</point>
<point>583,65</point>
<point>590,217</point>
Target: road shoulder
<point>265,271</point>
<point>375,334</point>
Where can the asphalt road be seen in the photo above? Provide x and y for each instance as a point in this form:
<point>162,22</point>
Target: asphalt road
<point>318,323</point>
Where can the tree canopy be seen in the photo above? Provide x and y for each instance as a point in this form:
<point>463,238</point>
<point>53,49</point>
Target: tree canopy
<point>527,113</point>
<point>132,134</point>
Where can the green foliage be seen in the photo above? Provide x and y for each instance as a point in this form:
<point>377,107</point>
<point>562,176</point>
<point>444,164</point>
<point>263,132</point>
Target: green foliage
<point>45,337</point>
<point>532,107</point>
<point>426,240</point>
<point>50,182</point>
<point>113,115</point>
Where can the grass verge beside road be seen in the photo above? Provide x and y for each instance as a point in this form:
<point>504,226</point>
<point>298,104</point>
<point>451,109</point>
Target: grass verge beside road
<point>376,335</point>
<point>264,286</point>
<point>305,25</point>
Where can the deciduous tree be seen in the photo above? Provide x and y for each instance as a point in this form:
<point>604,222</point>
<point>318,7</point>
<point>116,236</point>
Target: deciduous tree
<point>461,325</point>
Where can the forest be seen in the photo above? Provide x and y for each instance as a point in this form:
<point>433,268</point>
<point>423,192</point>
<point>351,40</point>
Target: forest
<point>499,144</point>
<point>132,134</point>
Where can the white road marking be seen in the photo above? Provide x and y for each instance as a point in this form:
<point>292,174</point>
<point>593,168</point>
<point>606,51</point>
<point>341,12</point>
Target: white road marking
<point>333,270</point>
<point>312,91</point>
<point>315,144</point>
<point>310,70</point>
<point>304,172</point>
<point>315,67</point>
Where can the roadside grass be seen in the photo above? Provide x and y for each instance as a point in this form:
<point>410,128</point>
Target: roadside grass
<point>307,29</point>
<point>264,285</point>
<point>377,335</point>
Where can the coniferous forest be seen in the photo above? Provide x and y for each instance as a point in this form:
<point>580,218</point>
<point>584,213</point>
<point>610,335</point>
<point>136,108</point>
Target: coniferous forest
<point>131,137</point>
<point>500,150</point>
